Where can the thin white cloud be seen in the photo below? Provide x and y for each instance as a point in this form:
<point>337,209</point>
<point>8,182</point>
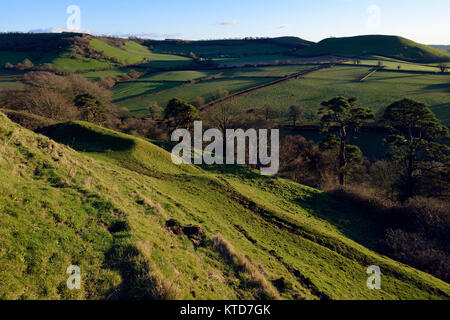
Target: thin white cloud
<point>228,23</point>
<point>58,30</point>
<point>147,35</point>
<point>284,26</point>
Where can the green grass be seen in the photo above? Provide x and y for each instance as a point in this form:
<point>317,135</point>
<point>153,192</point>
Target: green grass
<point>392,64</point>
<point>164,61</point>
<point>128,90</point>
<point>63,61</point>
<point>207,90</point>
<point>253,58</point>
<point>377,92</point>
<point>11,80</point>
<point>131,53</point>
<point>274,71</point>
<point>98,75</point>
<point>180,76</point>
<point>264,72</point>
<point>58,205</point>
<point>389,46</point>
<point>233,48</point>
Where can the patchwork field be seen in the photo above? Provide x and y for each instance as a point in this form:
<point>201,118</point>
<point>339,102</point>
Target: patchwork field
<point>213,83</point>
<point>129,90</point>
<point>377,92</point>
<point>98,75</point>
<point>394,64</point>
<point>207,90</point>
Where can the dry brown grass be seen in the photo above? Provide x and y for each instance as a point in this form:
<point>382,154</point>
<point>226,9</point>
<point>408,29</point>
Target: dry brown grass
<point>248,272</point>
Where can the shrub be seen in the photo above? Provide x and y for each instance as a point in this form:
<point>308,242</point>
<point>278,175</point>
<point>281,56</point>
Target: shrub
<point>427,216</point>
<point>91,108</point>
<point>419,252</point>
<point>53,96</point>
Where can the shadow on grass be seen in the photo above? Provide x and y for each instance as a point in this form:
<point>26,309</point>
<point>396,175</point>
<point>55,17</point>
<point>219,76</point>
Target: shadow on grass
<point>86,139</point>
<point>358,223</point>
<point>438,86</point>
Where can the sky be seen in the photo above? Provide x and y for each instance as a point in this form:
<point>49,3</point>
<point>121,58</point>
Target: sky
<point>425,21</point>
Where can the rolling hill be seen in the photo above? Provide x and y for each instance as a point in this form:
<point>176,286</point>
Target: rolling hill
<point>140,227</point>
<point>75,52</point>
<point>228,48</point>
<point>388,46</point>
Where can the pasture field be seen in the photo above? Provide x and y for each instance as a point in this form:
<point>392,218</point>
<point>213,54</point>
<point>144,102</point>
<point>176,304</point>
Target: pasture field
<point>130,53</point>
<point>98,75</point>
<point>65,62</point>
<point>273,71</point>
<point>393,64</point>
<point>180,76</point>
<point>207,90</point>
<point>11,80</point>
<point>129,90</point>
<point>377,92</point>
<point>253,58</point>
<point>167,61</point>
<point>264,72</point>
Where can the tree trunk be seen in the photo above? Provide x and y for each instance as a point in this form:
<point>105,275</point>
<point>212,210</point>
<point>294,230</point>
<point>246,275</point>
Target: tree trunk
<point>342,156</point>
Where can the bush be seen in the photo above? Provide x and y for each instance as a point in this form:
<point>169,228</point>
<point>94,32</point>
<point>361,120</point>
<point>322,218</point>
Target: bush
<point>427,216</point>
<point>416,232</point>
<point>417,251</point>
<point>53,96</point>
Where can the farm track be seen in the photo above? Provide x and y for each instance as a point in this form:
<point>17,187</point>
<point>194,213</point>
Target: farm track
<point>368,74</point>
<point>263,86</point>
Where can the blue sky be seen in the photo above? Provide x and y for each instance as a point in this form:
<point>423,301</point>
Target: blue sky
<point>425,21</point>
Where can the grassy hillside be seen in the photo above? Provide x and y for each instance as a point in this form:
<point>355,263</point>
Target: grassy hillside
<point>57,49</point>
<point>109,208</point>
<point>389,46</point>
<point>230,48</point>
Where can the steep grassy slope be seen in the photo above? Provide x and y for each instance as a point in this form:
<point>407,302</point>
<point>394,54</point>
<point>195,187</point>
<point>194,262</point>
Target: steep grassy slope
<point>389,46</point>
<point>106,208</point>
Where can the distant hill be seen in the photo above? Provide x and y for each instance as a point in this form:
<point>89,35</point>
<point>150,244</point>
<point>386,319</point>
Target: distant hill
<point>388,46</point>
<point>140,227</point>
<point>229,48</point>
<point>441,47</point>
<point>77,52</point>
